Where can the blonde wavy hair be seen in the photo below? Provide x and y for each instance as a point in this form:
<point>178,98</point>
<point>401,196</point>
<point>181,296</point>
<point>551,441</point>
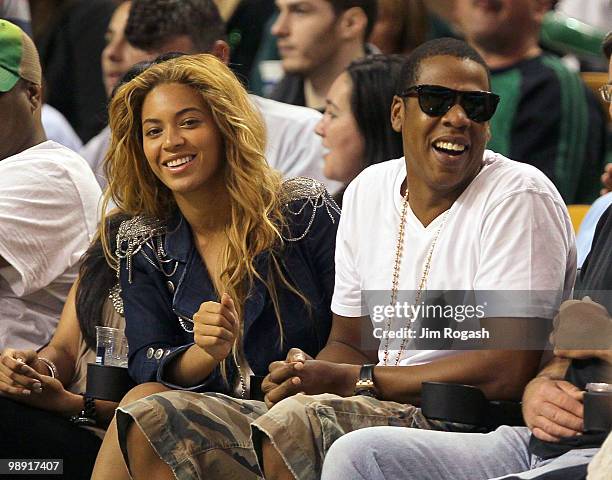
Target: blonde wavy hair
<point>256,217</point>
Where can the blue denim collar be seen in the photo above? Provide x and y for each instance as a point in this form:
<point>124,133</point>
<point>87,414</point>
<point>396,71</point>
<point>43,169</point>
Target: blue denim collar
<point>194,278</point>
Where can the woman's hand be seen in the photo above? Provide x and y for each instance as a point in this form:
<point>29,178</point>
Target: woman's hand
<point>20,382</point>
<point>17,377</point>
<point>216,327</point>
<point>54,398</point>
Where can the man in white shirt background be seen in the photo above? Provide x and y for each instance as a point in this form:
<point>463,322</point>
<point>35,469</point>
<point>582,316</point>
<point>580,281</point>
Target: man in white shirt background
<point>48,203</point>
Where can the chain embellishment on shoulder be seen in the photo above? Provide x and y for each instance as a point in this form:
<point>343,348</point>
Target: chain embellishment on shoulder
<point>313,193</point>
<point>140,234</point>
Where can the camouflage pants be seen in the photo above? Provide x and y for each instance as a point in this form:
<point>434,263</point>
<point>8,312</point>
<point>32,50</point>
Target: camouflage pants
<point>215,436</point>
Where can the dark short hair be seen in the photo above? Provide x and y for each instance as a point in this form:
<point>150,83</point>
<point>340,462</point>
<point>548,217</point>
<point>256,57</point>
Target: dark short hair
<point>369,7</point>
<point>131,74</point>
<point>153,22</point>
<point>606,46</point>
<point>140,67</point>
<point>434,48</point>
<point>374,78</point>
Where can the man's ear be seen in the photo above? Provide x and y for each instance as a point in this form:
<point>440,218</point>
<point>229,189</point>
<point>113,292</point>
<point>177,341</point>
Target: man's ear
<point>221,50</point>
<point>397,113</point>
<point>353,23</point>
<point>34,94</point>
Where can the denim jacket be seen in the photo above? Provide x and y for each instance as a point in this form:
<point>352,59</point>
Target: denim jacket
<point>164,281</point>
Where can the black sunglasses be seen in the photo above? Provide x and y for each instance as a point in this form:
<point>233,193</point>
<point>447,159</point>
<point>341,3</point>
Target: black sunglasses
<point>435,101</point>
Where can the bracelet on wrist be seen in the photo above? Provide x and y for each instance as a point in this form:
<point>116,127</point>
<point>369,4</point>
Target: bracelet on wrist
<point>50,365</point>
<point>87,416</point>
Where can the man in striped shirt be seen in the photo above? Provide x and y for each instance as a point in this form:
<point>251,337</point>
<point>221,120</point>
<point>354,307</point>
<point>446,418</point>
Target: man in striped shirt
<point>546,117</point>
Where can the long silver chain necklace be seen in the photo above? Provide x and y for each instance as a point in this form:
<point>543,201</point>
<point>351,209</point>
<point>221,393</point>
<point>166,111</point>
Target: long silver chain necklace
<point>242,384</point>
<point>396,274</point>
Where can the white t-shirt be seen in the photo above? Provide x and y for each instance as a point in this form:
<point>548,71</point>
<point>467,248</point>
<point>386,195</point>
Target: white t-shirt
<point>48,215</point>
<point>292,146</point>
<point>509,230</point>
<point>94,151</point>
<point>59,129</point>
<point>596,13</point>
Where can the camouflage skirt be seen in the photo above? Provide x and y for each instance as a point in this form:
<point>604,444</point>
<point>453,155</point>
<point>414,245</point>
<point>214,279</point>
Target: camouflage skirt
<point>214,436</point>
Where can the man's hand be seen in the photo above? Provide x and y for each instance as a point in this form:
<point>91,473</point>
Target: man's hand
<point>17,377</point>
<point>606,179</point>
<point>553,409</point>
<point>310,376</point>
<point>215,327</point>
<point>605,355</point>
<point>582,325</point>
<point>282,372</point>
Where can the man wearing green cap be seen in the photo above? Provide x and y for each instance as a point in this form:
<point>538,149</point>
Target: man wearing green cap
<point>48,203</point>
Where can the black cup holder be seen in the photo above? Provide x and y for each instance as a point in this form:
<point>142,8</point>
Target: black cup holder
<point>107,382</point>
<point>597,411</point>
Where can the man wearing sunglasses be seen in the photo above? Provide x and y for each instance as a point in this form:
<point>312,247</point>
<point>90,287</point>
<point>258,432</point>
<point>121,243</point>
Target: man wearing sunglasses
<point>546,117</point>
<point>566,425</point>
<point>448,216</point>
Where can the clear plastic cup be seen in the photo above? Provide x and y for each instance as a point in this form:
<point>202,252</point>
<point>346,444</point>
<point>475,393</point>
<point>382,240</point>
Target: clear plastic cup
<point>111,347</point>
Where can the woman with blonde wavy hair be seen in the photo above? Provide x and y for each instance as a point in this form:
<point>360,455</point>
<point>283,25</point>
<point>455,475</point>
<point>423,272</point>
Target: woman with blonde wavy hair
<point>222,266</point>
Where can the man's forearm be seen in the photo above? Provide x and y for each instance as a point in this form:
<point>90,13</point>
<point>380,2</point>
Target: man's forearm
<point>339,352</point>
<point>345,340</point>
<point>501,375</point>
<point>555,369</point>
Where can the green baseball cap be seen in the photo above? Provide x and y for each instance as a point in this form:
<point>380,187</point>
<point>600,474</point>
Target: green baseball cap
<point>18,57</point>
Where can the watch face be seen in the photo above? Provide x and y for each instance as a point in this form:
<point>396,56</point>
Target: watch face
<point>365,383</point>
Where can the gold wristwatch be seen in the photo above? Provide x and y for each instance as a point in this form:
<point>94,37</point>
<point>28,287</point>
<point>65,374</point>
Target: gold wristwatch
<point>365,384</point>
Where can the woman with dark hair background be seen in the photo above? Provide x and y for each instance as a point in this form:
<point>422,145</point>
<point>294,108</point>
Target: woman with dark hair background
<point>42,405</point>
<point>356,126</point>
